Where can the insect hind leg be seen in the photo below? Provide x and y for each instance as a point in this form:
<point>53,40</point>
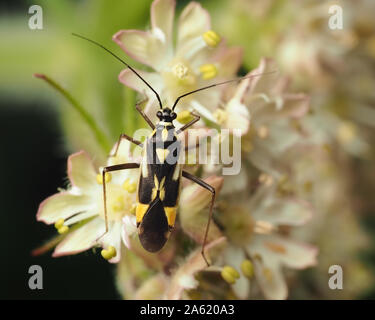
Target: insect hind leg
<point>210,188</point>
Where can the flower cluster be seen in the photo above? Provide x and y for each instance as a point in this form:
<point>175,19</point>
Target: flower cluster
<point>256,212</point>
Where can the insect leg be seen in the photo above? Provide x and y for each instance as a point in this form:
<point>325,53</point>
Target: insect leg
<point>147,119</point>
<point>116,167</point>
<point>196,118</point>
<point>125,136</point>
<point>213,194</point>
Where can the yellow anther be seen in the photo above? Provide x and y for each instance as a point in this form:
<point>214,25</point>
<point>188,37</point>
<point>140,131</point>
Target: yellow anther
<point>211,38</point>
<point>247,268</point>
<point>346,132</point>
<point>266,179</point>
<point>263,132</point>
<point>99,178</point>
<point>118,204</point>
<point>230,274</point>
<point>129,186</point>
<point>184,117</point>
<point>109,253</point>
<point>267,273</point>
<point>208,71</point>
<point>59,223</point>
<point>220,115</point>
<point>63,229</point>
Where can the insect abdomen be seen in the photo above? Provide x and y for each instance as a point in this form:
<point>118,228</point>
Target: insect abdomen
<point>154,230</point>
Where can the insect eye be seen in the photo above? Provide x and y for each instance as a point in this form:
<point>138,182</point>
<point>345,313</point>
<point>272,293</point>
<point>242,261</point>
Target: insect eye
<point>159,114</point>
<point>173,115</point>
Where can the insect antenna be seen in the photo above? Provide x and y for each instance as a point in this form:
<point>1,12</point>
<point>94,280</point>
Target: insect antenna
<point>119,59</point>
<point>219,84</point>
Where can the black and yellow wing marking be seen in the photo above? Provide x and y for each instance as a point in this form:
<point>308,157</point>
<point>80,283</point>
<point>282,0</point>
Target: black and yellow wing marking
<point>158,188</point>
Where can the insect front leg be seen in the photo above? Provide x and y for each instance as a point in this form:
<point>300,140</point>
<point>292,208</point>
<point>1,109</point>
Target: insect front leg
<point>125,136</point>
<point>183,128</point>
<point>116,167</point>
<point>213,194</point>
<point>147,119</point>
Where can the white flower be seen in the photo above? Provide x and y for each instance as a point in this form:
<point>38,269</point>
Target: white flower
<point>254,233</point>
<point>80,209</point>
<point>198,57</point>
<point>274,113</point>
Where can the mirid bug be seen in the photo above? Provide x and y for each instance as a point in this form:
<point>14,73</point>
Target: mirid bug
<point>160,172</point>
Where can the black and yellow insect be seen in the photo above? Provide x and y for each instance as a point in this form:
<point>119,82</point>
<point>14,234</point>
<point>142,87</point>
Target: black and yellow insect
<point>160,172</point>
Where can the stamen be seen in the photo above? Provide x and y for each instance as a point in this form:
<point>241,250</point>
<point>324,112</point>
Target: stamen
<point>109,253</point>
<point>208,71</point>
<point>220,115</point>
<point>61,228</point>
<point>118,204</point>
<point>263,132</point>
<point>263,227</point>
<point>129,186</point>
<point>247,268</point>
<point>59,223</point>
<point>184,117</point>
<point>99,178</point>
<point>346,132</point>
<point>266,179</point>
<point>267,274</point>
<point>229,274</point>
<point>211,38</point>
<point>275,247</point>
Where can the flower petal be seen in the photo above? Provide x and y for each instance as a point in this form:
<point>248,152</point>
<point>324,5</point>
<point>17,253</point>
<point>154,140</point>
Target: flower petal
<point>270,279</point>
<point>263,82</point>
<point>113,238</point>
<point>193,22</point>
<point>192,216</point>
<point>184,276</point>
<point>81,239</point>
<point>153,288</point>
<point>270,253</point>
<point>297,255</point>
<point>285,106</point>
<point>81,171</point>
<point>265,161</point>
<point>129,228</point>
<point>162,14</point>
<point>146,47</point>
<point>238,116</point>
<point>61,205</point>
<point>128,78</point>
<point>229,61</point>
<point>235,183</point>
<point>283,211</point>
<point>234,256</point>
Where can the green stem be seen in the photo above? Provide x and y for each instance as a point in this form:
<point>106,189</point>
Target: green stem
<point>99,134</point>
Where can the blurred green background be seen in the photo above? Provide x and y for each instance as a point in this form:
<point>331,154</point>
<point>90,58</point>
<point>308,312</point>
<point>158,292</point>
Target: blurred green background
<point>39,129</point>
